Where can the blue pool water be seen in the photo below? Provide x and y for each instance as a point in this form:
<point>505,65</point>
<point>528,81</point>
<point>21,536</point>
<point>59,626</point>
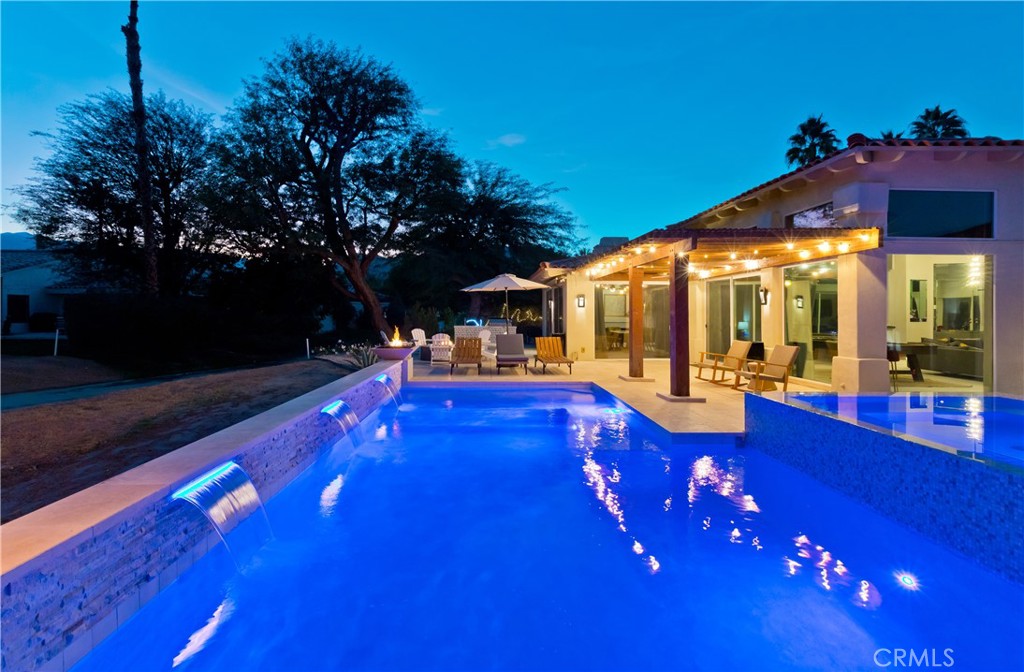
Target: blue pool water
<point>982,427</point>
<point>496,528</point>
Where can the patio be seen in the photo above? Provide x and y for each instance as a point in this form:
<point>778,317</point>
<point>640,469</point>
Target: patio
<point>721,413</point>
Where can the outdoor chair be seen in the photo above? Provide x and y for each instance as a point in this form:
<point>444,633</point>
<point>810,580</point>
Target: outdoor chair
<point>762,376</point>
<point>511,351</point>
<point>486,345</point>
<point>549,351</point>
<point>419,337</point>
<point>466,351</point>
<point>730,362</point>
<point>440,348</point>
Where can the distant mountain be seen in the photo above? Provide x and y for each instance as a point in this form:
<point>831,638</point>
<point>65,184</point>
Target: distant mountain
<point>21,240</point>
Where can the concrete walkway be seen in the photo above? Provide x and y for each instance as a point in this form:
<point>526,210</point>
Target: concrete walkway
<point>720,413</point>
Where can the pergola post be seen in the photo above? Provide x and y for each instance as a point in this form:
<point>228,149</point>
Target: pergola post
<point>679,328</point>
<point>679,332</point>
<point>636,322</point>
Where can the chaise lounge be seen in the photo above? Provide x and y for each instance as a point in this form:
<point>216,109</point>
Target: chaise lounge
<point>466,351</point>
<point>510,352</point>
<point>549,351</point>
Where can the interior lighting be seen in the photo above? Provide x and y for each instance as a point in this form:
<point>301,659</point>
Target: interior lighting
<point>652,248</point>
<point>691,268</point>
<point>728,267</point>
<point>762,294</point>
<point>804,267</point>
<point>789,246</point>
<point>750,264</point>
<point>755,251</point>
<point>581,301</point>
<point>638,250</point>
<point>843,247</point>
<point>804,254</point>
<point>787,283</point>
<point>865,237</point>
<point>622,258</point>
<point>824,246</point>
<point>732,255</point>
<point>704,274</point>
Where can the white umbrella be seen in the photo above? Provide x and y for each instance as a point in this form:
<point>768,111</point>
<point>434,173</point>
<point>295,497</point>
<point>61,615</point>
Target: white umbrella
<point>504,282</point>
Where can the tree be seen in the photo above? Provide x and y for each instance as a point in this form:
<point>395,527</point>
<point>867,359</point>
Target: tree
<point>84,195</point>
<point>313,127</point>
<point>151,282</point>
<point>891,135</point>
<point>813,141</point>
<point>936,123</point>
<point>496,222</point>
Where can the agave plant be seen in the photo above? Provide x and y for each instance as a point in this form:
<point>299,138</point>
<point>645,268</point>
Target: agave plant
<point>353,357</point>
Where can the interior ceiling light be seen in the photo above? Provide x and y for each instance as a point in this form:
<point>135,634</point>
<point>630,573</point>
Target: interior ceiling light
<point>804,254</point>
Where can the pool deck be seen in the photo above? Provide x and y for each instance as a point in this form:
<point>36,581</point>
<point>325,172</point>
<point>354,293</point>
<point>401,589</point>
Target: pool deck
<point>720,413</point>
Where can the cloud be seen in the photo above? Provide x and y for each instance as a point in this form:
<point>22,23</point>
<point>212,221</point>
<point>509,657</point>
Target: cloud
<point>507,140</point>
<point>575,169</point>
<point>431,111</point>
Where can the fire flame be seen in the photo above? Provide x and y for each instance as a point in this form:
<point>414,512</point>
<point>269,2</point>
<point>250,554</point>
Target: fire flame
<point>396,340</point>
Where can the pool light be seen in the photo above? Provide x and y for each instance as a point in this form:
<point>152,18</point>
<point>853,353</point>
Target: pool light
<point>198,483</point>
<point>907,581</point>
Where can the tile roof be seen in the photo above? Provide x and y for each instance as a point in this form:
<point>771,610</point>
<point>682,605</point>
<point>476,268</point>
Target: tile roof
<point>15,260</point>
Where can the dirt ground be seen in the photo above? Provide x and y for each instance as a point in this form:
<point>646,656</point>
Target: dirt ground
<point>50,451</point>
<point>27,374</point>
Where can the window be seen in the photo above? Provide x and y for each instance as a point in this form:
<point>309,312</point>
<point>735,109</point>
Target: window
<point>17,307</point>
<point>940,214</point>
<point>818,217</point>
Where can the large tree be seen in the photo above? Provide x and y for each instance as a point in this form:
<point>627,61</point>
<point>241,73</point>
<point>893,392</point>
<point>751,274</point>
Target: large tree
<point>495,222</point>
<point>324,136</point>
<point>814,140</point>
<point>937,123</point>
<point>85,193</point>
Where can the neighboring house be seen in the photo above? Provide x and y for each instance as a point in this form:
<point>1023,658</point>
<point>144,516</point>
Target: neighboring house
<point>914,247</point>
<point>29,284</point>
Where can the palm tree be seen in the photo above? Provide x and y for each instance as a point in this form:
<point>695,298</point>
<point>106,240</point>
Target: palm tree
<point>934,123</point>
<point>813,141</point>
<point>890,135</point>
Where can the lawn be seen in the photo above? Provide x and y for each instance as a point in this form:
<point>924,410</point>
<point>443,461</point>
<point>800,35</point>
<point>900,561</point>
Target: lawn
<point>51,451</point>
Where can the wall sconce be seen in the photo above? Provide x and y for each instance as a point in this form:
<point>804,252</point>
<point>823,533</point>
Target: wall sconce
<point>762,293</point>
<point>581,301</point>
<point>799,301</point>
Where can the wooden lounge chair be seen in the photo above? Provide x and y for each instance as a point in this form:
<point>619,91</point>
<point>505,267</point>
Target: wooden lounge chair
<point>466,351</point>
<point>549,351</point>
<point>730,362</point>
<point>762,376</point>
<point>511,351</point>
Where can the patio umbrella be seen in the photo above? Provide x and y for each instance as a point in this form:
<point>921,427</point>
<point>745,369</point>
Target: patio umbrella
<point>505,282</point>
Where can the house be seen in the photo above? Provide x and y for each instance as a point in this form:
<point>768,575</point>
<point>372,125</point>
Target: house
<point>912,247</point>
<point>29,281</point>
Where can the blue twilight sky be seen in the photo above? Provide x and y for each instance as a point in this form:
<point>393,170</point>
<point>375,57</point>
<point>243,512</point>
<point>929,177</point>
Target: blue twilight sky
<point>646,113</point>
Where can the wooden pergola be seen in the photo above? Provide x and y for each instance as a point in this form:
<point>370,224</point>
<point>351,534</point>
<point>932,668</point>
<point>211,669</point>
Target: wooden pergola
<point>677,255</point>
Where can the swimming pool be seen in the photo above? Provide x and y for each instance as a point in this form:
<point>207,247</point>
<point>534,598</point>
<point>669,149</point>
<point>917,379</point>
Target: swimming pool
<point>981,427</point>
<point>555,529</point>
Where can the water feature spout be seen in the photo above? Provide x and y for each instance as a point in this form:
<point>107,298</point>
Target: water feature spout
<point>346,418</point>
<point>229,500</point>
<point>396,395</point>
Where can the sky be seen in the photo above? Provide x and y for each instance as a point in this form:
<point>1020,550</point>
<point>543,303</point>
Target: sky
<point>644,114</point>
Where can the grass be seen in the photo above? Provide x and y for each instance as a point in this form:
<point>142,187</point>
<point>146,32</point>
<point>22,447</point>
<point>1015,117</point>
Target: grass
<point>54,450</point>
